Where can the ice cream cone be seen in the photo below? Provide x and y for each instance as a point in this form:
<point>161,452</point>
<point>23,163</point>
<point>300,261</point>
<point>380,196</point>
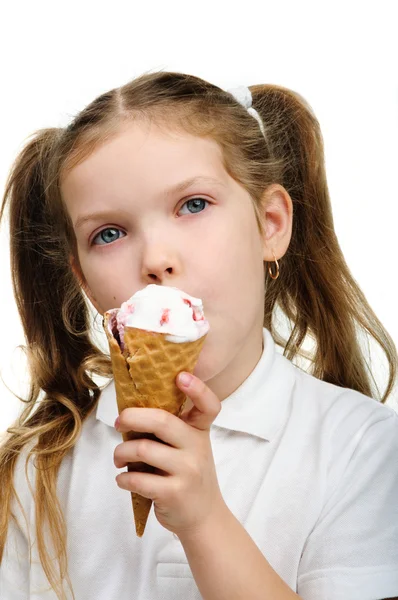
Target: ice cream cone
<point>144,375</point>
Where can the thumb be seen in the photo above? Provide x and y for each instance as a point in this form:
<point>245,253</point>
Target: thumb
<point>206,404</point>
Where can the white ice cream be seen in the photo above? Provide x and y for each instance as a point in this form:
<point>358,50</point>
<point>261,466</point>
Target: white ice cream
<point>162,309</point>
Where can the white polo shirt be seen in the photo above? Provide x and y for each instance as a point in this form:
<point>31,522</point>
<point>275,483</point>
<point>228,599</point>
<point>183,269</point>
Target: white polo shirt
<point>310,470</point>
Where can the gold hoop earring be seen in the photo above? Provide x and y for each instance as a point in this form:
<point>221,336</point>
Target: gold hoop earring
<point>277,271</point>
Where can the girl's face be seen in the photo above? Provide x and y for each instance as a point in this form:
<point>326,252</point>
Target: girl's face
<point>202,238</point>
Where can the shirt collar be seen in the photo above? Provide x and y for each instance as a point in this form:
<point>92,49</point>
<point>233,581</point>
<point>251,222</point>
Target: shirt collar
<point>258,406</point>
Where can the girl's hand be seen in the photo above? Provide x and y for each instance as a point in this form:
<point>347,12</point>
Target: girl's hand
<point>187,492</point>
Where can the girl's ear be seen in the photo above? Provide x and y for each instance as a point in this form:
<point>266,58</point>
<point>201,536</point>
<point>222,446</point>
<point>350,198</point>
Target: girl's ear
<point>277,213</point>
<point>83,284</point>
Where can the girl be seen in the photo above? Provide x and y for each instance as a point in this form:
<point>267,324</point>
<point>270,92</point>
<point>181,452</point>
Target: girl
<point>275,483</point>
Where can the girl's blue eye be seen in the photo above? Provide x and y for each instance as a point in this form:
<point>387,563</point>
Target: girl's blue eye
<point>105,237</point>
<point>197,204</point>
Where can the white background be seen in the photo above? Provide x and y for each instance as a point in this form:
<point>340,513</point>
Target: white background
<point>341,56</point>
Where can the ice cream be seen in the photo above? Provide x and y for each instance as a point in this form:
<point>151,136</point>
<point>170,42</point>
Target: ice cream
<point>163,309</point>
<point>153,336</point>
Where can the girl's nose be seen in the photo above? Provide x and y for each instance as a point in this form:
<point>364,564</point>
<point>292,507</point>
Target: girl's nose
<point>158,276</point>
<point>159,263</point>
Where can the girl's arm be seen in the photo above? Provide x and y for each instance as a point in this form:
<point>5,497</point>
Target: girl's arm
<point>227,564</point>
<point>225,561</point>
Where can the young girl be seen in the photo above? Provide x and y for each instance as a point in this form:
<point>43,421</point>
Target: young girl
<point>275,483</point>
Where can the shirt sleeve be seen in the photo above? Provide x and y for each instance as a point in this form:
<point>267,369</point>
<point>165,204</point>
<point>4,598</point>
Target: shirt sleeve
<point>352,551</point>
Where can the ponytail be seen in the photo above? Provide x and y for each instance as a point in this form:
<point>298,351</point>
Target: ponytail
<point>316,289</point>
<point>55,320</point>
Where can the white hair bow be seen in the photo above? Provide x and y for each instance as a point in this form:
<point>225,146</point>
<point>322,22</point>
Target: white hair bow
<point>243,95</point>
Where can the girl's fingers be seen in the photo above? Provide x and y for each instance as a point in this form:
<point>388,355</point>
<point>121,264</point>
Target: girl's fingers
<point>150,452</point>
<point>145,484</point>
<point>206,404</point>
<point>164,425</point>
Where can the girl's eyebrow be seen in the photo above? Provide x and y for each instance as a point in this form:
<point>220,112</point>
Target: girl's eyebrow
<point>178,188</point>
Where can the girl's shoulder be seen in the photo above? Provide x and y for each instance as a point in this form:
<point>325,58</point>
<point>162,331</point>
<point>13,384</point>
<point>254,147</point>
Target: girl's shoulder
<point>349,425</point>
<point>329,398</point>
<point>343,414</point>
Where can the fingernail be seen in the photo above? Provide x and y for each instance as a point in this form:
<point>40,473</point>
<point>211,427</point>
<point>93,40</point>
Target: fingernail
<point>117,422</point>
<point>185,379</point>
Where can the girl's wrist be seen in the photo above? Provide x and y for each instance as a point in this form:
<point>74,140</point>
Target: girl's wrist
<point>219,515</point>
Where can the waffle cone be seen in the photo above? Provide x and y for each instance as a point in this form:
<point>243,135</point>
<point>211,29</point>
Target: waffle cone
<point>144,375</point>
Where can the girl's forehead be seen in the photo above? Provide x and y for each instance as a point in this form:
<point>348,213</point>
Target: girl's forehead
<point>141,155</point>
<point>137,167</point>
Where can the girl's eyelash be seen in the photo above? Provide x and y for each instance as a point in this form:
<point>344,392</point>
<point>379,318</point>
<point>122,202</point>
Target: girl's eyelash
<point>118,229</point>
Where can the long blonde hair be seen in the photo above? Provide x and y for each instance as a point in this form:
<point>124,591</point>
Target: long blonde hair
<point>317,292</point>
